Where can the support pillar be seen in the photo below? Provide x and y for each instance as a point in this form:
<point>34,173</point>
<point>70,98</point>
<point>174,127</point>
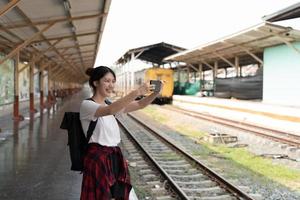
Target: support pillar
<point>125,80</point>
<point>41,89</point>
<point>31,87</point>
<point>237,66</point>
<point>215,73</point>
<point>188,75</point>
<point>50,97</point>
<point>16,116</point>
<point>201,76</point>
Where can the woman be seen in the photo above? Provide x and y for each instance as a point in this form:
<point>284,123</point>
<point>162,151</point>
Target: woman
<point>105,174</point>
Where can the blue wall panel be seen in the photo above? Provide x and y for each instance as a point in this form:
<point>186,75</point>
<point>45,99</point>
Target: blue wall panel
<point>281,82</point>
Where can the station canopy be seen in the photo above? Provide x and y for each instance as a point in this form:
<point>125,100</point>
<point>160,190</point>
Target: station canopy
<point>153,53</point>
<point>61,35</point>
<point>290,12</point>
<point>247,45</point>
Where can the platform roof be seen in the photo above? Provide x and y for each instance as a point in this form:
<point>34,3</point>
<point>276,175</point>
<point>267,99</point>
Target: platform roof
<point>152,53</point>
<point>247,45</point>
<point>290,12</point>
<point>62,34</point>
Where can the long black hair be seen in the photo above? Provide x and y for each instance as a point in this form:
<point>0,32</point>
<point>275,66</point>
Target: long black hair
<point>97,73</point>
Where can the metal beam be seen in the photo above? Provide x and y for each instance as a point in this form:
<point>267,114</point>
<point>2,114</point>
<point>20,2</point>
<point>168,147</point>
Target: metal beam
<point>247,51</point>
<point>282,37</point>
<point>41,54</point>
<point>25,43</point>
<point>287,43</point>
<point>64,19</point>
<point>29,20</point>
<point>8,7</point>
<point>76,53</point>
<point>192,66</point>
<point>224,59</point>
<point>75,46</point>
<point>206,63</point>
<point>65,37</point>
<point>57,72</point>
<point>192,57</point>
<point>252,54</point>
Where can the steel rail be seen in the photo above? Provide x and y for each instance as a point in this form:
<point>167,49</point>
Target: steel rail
<point>231,188</point>
<point>244,126</point>
<point>161,170</point>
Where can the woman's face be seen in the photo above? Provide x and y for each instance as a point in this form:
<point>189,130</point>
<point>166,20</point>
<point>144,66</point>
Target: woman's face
<point>106,85</point>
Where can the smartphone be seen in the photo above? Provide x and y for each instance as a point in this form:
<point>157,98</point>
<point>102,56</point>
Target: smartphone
<point>157,85</point>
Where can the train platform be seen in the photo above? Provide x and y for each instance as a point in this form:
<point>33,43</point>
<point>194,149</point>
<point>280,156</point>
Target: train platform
<point>34,158</point>
<point>276,117</point>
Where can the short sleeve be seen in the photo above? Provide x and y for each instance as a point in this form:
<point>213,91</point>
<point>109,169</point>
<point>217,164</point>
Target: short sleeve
<point>88,110</point>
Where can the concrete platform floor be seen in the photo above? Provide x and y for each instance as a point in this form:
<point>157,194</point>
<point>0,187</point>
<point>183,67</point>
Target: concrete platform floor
<point>34,159</point>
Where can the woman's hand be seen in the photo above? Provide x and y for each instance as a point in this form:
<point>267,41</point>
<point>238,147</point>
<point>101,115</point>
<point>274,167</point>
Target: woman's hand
<point>143,89</point>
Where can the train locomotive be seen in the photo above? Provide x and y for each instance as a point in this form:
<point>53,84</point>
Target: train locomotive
<point>162,74</point>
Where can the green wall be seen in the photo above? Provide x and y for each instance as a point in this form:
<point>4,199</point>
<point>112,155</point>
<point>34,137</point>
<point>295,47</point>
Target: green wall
<point>281,82</point>
<point>6,81</point>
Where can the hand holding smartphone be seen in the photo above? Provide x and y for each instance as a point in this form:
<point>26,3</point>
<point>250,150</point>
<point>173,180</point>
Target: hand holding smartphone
<point>157,85</point>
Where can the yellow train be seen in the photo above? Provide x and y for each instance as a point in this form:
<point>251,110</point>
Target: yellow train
<point>163,74</point>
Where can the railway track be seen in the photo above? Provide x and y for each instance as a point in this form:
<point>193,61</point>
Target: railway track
<point>188,177</point>
<point>275,135</point>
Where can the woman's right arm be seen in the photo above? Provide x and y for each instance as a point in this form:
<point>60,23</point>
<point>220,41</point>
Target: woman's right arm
<point>118,105</point>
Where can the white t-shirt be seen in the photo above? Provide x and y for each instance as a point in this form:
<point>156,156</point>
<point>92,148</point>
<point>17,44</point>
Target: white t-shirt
<point>107,132</point>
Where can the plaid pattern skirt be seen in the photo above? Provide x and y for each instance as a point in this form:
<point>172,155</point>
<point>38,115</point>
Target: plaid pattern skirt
<point>105,174</point>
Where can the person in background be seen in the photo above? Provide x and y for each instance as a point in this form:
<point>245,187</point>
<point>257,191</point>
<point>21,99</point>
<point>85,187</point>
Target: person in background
<point>105,174</point>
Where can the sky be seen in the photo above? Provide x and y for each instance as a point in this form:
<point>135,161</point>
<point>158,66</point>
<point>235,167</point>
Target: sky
<point>184,23</point>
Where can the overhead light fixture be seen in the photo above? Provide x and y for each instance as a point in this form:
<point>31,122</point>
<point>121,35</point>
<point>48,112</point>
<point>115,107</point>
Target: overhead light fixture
<point>25,62</point>
<point>67,4</point>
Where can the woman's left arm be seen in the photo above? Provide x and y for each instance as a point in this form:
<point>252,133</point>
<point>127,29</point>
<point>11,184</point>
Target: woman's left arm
<point>136,105</point>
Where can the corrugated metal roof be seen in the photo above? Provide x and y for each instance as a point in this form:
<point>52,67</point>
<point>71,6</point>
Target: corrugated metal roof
<point>154,53</point>
<point>290,12</point>
<point>241,44</point>
<point>73,31</point>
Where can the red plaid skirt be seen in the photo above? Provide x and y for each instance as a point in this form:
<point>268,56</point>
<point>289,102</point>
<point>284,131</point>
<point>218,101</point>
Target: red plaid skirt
<point>105,174</point>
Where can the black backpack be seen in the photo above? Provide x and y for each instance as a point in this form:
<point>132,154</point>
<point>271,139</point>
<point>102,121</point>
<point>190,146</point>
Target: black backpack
<point>77,141</point>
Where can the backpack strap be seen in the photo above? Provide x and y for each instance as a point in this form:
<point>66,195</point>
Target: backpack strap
<point>108,102</point>
<point>92,125</point>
